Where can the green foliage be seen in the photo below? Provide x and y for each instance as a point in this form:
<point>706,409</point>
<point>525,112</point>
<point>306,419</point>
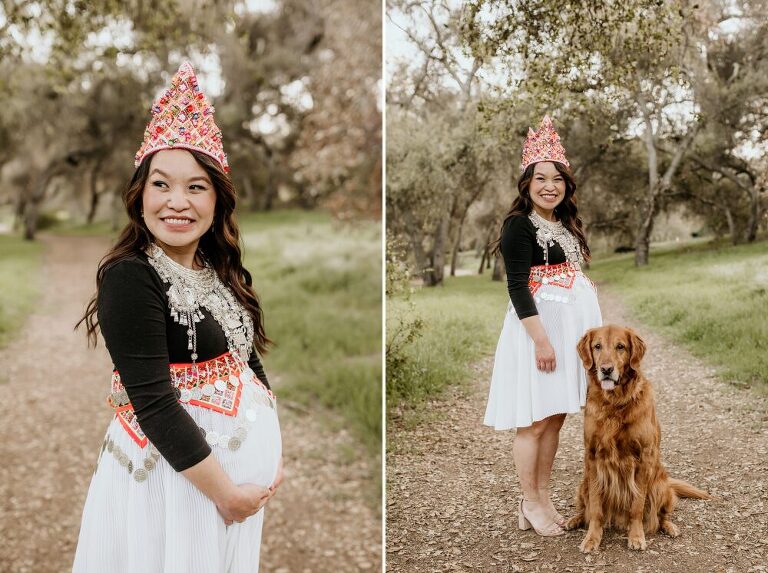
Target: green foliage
<point>402,328</point>
<point>461,323</point>
<point>416,178</point>
<point>577,47</point>
<point>19,283</point>
<point>320,286</point>
<point>438,166</point>
<point>712,299</point>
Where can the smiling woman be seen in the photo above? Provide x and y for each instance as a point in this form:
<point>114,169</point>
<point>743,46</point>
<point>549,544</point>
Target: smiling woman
<point>194,451</point>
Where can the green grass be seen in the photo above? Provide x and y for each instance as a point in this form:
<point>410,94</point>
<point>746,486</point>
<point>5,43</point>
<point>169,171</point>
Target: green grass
<point>320,286</point>
<point>712,299</point>
<point>19,283</point>
<point>462,321</point>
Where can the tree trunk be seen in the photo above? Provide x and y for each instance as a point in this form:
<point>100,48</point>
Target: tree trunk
<point>644,230</point>
<point>436,272</point>
<point>731,226</point>
<point>498,269</point>
<point>486,259</point>
<point>656,185</point>
<point>36,191</point>
<point>415,237</point>
<point>643,235</point>
<point>457,246</point>
<point>95,196</point>
<point>30,220</point>
<point>754,215</point>
<point>486,254</point>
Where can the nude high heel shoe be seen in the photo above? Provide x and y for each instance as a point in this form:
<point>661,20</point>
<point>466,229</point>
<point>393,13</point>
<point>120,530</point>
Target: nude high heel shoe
<point>550,530</point>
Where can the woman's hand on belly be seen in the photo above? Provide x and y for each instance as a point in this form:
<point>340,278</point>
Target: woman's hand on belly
<point>244,501</point>
<point>270,491</point>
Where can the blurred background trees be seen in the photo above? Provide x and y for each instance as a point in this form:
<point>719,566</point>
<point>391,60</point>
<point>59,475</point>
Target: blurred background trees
<point>295,83</point>
<point>661,106</point>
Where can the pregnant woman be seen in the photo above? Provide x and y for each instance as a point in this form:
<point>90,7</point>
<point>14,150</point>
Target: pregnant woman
<point>194,450</point>
<point>537,374</point>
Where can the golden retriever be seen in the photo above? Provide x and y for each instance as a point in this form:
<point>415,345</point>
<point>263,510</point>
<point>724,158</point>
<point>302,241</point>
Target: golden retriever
<point>624,483</point>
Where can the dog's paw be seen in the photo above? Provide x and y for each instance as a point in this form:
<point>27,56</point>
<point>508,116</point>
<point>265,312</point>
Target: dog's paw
<point>637,542</point>
<point>589,544</point>
<point>671,529</point>
<point>574,523</point>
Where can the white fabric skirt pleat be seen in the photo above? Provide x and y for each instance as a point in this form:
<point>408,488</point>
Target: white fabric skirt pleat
<point>520,393</point>
<point>165,524</point>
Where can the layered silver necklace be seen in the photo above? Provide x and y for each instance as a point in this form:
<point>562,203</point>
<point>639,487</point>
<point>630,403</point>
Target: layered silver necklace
<point>192,290</point>
<point>548,233</point>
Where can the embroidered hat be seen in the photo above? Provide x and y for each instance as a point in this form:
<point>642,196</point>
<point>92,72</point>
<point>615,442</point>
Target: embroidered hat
<point>183,118</point>
<point>543,145</point>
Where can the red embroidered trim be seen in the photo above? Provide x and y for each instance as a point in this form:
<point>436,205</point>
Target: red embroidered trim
<point>187,378</point>
<point>562,275</point>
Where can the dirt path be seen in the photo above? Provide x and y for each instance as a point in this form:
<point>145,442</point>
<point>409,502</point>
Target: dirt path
<point>452,490</point>
<point>53,419</point>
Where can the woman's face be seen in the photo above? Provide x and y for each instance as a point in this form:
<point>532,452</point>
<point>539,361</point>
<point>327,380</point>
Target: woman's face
<point>547,188</point>
<point>179,199</point>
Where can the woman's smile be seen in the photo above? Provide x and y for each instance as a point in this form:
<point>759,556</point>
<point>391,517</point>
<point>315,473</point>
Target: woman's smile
<point>550,197</point>
<point>178,223</point>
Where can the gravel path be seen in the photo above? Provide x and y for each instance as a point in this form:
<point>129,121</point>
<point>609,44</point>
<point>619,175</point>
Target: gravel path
<point>452,490</point>
<point>53,418</point>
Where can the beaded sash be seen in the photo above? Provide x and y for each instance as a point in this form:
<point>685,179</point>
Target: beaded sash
<point>215,384</point>
<point>561,275</point>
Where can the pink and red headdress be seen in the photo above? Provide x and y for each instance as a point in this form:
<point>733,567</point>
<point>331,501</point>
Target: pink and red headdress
<point>543,145</point>
<point>183,118</point>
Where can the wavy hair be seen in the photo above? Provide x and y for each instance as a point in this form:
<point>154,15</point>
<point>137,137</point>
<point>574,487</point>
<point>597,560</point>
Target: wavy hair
<point>566,211</point>
<point>221,247</point>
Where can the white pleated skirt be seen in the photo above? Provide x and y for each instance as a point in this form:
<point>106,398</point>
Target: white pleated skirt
<point>164,524</point>
<point>520,393</point>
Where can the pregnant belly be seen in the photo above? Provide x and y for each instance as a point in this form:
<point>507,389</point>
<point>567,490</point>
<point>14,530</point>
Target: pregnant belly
<point>248,444</point>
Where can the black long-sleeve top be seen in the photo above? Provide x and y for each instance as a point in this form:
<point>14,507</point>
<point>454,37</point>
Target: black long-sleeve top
<point>521,251</point>
<point>143,340</point>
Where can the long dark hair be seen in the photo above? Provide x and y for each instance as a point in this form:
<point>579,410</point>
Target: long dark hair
<point>221,246</point>
<point>566,211</point>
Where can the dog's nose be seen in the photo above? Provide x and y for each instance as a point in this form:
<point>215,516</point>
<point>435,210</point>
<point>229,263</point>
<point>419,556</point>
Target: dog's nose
<point>606,370</point>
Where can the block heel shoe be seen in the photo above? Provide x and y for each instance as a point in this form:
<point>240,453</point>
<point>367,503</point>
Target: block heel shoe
<point>550,530</point>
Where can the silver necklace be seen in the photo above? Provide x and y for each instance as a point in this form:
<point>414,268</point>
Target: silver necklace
<point>548,233</point>
<point>190,290</point>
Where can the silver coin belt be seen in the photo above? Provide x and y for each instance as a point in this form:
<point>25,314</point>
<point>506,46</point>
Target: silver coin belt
<point>139,472</point>
<point>192,384</point>
<point>561,275</point>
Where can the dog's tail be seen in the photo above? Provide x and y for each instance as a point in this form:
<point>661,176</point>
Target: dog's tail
<point>684,489</point>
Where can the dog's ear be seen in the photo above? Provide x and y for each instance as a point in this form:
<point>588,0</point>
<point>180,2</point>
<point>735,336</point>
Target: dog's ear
<point>585,349</point>
<point>636,349</point>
